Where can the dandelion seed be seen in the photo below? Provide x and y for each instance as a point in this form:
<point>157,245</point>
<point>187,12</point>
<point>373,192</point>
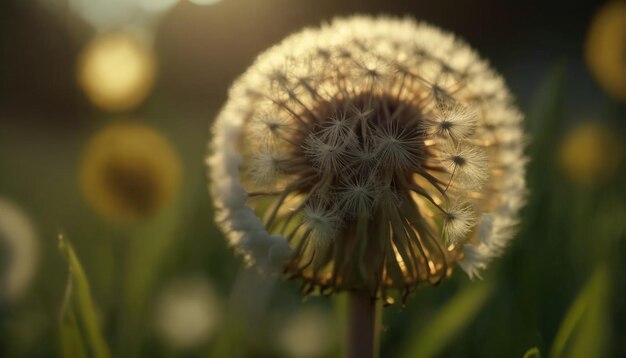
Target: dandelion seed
<point>397,147</point>
<point>475,259</point>
<point>389,121</point>
<point>325,155</point>
<point>323,224</point>
<point>361,113</point>
<point>453,121</point>
<point>467,163</point>
<point>458,220</point>
<point>264,167</point>
<point>269,128</point>
<point>357,196</point>
<point>338,130</point>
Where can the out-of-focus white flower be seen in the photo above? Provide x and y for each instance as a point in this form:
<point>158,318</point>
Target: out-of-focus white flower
<point>309,333</point>
<point>18,251</point>
<point>188,313</point>
<point>363,154</point>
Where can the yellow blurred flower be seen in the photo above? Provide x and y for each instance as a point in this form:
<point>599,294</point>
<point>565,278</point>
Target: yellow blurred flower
<point>18,251</point>
<point>606,48</point>
<point>591,153</point>
<point>117,71</point>
<point>129,171</point>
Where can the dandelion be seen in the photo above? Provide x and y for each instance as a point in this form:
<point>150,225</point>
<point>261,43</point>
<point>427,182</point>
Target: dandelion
<point>18,252</point>
<point>365,155</point>
<point>128,172</point>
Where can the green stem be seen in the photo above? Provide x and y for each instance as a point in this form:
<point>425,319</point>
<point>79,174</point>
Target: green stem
<point>363,326</point>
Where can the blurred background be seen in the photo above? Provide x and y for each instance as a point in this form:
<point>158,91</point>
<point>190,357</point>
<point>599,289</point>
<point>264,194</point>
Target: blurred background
<point>107,241</point>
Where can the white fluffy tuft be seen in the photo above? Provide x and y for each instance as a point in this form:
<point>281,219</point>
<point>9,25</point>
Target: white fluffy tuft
<point>458,220</point>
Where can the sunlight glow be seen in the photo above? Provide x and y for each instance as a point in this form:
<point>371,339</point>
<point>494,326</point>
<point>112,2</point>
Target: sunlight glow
<point>157,5</point>
<point>204,2</point>
<point>116,71</point>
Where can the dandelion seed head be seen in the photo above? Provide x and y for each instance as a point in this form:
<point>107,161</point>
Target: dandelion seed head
<point>395,138</point>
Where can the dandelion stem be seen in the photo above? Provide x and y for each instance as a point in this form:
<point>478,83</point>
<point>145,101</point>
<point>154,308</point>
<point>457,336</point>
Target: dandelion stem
<point>363,326</point>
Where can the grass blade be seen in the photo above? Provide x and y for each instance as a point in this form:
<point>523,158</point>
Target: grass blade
<point>532,353</point>
<point>448,322</point>
<point>79,308</point>
<point>584,331</point>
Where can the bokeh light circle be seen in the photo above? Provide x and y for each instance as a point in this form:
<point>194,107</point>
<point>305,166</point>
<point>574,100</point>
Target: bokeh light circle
<point>188,313</point>
<point>591,153</point>
<point>310,332</point>
<point>606,49</point>
<point>117,71</point>
<point>18,251</point>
